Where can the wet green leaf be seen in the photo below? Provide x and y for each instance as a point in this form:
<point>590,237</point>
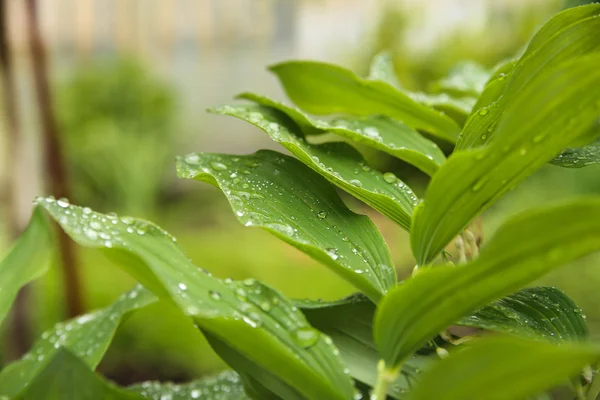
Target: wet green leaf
<point>339,163</point>
<point>67,377</point>
<point>523,249</point>
<point>457,108</point>
<point>27,260</point>
<point>579,157</point>
<point>382,69</point>
<point>379,132</point>
<point>503,368</point>
<point>531,133</point>
<point>568,36</point>
<point>282,195</point>
<point>536,312</point>
<point>87,337</point>
<point>225,386</point>
<point>321,88</point>
<point>465,79</point>
<point>254,320</point>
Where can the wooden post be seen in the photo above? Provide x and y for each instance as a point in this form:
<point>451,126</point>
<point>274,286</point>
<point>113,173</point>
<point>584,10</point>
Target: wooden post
<point>53,156</point>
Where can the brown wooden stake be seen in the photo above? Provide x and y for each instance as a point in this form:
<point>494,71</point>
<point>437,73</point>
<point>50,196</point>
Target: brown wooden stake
<point>20,332</point>
<point>53,157</point>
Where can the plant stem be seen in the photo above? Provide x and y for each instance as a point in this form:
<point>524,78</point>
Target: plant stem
<point>54,160</point>
<point>385,377</point>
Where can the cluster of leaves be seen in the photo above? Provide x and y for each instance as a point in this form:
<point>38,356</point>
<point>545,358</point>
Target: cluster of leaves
<point>456,329</point>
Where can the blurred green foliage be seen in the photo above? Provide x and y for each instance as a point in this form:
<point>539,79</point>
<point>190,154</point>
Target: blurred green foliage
<point>117,122</point>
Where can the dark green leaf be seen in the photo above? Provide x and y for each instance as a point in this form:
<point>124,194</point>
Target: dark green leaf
<point>534,312</point>
<point>382,133</point>
<point>570,35</point>
<point>525,248</point>
<point>382,69</point>
<point>531,133</point>
<point>283,196</point>
<point>338,162</point>
<point>321,88</point>
<point>254,320</point>
<point>87,336</point>
<point>225,386</point>
<point>67,377</point>
<point>464,79</point>
<point>579,157</point>
<point>26,261</point>
<point>503,368</point>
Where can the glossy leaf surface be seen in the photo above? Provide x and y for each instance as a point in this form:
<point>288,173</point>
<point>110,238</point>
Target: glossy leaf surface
<point>321,88</point>
<point>525,248</point>
<point>503,368</point>
<point>282,195</point>
<point>531,134</point>
<point>382,69</point>
<point>27,260</point>
<point>579,157</point>
<point>253,319</point>
<point>464,79</point>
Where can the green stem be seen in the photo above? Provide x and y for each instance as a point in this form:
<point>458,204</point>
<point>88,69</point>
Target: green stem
<point>385,377</point>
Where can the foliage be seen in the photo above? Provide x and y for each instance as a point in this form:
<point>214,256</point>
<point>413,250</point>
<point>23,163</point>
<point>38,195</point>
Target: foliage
<point>117,122</point>
<point>459,328</point>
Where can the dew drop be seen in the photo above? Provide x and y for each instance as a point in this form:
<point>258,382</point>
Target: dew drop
<point>63,202</point>
<point>91,234</point>
<point>305,337</point>
<point>214,295</point>
<point>218,166</point>
<point>484,111</point>
<point>322,214</point>
<point>87,210</point>
<point>356,182</point>
<point>331,252</point>
<point>182,286</point>
<point>389,177</point>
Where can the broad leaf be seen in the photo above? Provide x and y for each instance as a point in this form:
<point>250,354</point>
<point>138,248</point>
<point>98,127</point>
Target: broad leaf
<point>535,312</point>
<point>382,69</point>
<point>379,132</point>
<point>253,319</point>
<point>503,368</point>
<point>27,260</point>
<point>558,108</point>
<point>457,108</point>
<point>464,79</point>
<point>67,377</point>
<point>283,196</point>
<point>574,35</point>
<point>87,337</point>
<point>579,157</point>
<point>525,248</point>
<point>320,88</point>
<point>339,163</point>
<point>348,323</point>
<point>225,386</point>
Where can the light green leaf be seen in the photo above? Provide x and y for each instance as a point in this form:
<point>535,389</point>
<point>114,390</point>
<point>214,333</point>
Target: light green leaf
<point>382,69</point>
<point>87,337</point>
<point>320,88</point>
<point>379,132</point>
<point>283,196</point>
<point>225,386</point>
<point>348,323</point>
<point>503,368</point>
<point>559,107</point>
<point>525,248</point>
<point>536,312</point>
<point>67,377</point>
<point>570,35</point>
<point>465,79</point>
<point>253,319</point>
<point>458,108</point>
<point>27,260</point>
<point>339,163</point>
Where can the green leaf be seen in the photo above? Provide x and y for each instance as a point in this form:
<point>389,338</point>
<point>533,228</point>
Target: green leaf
<point>503,368</point>
<point>523,249</point>
<point>338,162</point>
<point>570,35</point>
<point>320,88</point>
<point>27,260</point>
<point>67,377</point>
<point>348,323</point>
<point>283,196</point>
<point>458,108</point>
<point>535,312</point>
<point>253,319</point>
<point>579,157</point>
<point>531,133</point>
<point>225,386</point>
<point>379,132</point>
<point>382,69</point>
<point>87,337</point>
<point>465,79</point>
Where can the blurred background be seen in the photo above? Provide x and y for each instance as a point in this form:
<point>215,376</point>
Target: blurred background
<point>128,82</point>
